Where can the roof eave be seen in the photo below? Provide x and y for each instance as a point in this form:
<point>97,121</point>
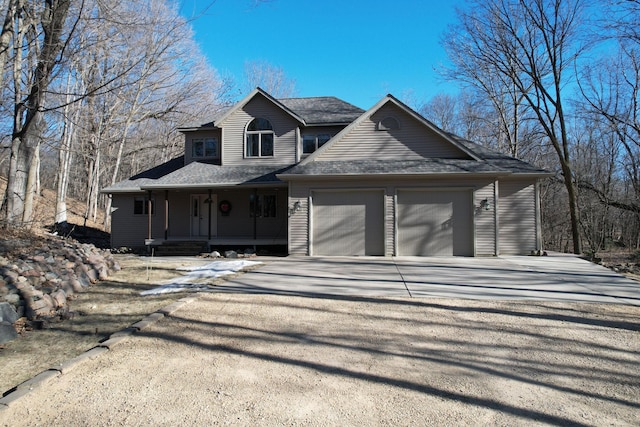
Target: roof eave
<point>211,185</point>
<point>196,128</point>
<point>288,177</point>
<point>121,190</point>
<point>328,124</point>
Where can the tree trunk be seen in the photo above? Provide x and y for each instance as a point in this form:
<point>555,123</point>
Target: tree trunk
<point>28,112</point>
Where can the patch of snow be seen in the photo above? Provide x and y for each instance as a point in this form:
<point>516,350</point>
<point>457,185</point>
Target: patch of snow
<point>212,270</point>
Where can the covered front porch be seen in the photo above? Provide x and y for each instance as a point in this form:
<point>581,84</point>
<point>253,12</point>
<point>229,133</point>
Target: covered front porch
<point>236,218</point>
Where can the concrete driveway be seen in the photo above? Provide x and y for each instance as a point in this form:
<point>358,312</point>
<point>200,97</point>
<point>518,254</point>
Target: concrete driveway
<point>557,277</point>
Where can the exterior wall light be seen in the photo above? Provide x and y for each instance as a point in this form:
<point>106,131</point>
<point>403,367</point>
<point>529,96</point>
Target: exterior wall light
<point>295,207</point>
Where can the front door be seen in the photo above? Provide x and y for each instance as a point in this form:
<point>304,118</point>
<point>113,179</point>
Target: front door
<point>201,205</point>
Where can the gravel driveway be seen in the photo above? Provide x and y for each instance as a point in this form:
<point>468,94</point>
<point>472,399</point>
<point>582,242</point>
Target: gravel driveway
<point>263,359</point>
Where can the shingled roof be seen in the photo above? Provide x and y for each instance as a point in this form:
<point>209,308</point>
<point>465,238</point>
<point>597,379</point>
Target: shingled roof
<point>323,110</point>
<point>320,110</point>
<point>149,176</point>
<point>326,110</point>
<point>427,166</point>
<point>205,175</point>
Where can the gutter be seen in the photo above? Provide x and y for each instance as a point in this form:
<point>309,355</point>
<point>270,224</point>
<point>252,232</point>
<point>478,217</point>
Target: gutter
<point>212,185</point>
<point>293,177</point>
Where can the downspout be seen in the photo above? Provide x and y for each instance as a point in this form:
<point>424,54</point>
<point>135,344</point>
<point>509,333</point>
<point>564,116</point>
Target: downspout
<point>209,200</point>
<point>149,204</point>
<point>538,217</point>
<point>255,213</point>
<point>166,214</point>
<point>496,216</point>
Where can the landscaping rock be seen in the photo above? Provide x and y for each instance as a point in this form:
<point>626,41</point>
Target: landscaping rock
<point>37,276</point>
<point>8,313</point>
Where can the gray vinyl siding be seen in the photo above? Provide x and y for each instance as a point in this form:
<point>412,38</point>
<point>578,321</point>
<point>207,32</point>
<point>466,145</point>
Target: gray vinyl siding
<point>179,214</point>
<point>129,230</point>
<point>284,127</point>
<point>412,140</point>
<point>317,130</point>
<point>299,220</point>
<point>517,217</point>
<point>238,223</point>
<point>190,136</point>
<point>390,226</point>
<point>485,221</point>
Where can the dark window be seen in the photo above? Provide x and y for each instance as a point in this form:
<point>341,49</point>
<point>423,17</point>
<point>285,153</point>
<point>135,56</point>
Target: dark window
<point>263,206</point>
<point>311,143</point>
<point>141,206</point>
<point>207,147</point>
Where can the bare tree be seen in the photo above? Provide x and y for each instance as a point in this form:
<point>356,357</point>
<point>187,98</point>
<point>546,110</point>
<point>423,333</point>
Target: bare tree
<point>270,78</point>
<point>532,47</point>
<point>38,30</point>
<point>611,88</point>
<point>134,76</point>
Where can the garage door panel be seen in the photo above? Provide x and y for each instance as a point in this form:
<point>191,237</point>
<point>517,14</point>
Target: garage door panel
<point>435,223</point>
<point>348,223</point>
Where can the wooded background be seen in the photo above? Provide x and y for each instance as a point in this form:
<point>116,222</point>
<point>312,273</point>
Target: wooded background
<point>93,91</point>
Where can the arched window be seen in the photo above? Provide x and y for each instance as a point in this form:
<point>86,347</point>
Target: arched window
<point>259,138</point>
<point>388,123</point>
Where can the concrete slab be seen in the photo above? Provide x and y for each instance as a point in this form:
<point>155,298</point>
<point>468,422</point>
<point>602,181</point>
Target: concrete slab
<point>551,278</point>
<point>354,276</point>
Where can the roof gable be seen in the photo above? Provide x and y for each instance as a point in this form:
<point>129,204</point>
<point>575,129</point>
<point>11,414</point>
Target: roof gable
<point>409,137</point>
<point>255,93</point>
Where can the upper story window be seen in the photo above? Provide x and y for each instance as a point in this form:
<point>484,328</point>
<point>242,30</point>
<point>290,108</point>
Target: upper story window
<point>204,147</point>
<point>259,138</point>
<point>311,143</point>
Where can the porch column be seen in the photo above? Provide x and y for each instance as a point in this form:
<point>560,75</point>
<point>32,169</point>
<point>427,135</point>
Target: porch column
<point>255,213</point>
<point>166,214</point>
<point>209,199</point>
<point>149,208</point>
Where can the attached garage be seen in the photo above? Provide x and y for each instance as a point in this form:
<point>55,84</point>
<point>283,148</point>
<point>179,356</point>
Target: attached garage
<point>347,222</point>
<point>393,184</point>
<point>435,223</point>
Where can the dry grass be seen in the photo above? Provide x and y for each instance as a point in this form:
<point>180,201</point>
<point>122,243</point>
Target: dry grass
<point>101,310</point>
<point>45,210</point>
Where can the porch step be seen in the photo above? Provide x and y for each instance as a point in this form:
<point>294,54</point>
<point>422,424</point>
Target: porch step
<point>186,248</point>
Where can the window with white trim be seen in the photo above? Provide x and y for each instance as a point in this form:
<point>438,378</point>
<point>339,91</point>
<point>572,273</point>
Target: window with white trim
<point>259,138</point>
<point>204,147</point>
<point>311,143</point>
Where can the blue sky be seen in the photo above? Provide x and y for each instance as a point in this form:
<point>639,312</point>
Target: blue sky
<point>357,50</point>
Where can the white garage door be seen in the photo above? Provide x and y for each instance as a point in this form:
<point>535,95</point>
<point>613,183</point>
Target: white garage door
<point>347,223</point>
<point>435,223</point>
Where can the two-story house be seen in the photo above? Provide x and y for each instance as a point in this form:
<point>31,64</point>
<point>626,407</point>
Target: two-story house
<point>319,176</point>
